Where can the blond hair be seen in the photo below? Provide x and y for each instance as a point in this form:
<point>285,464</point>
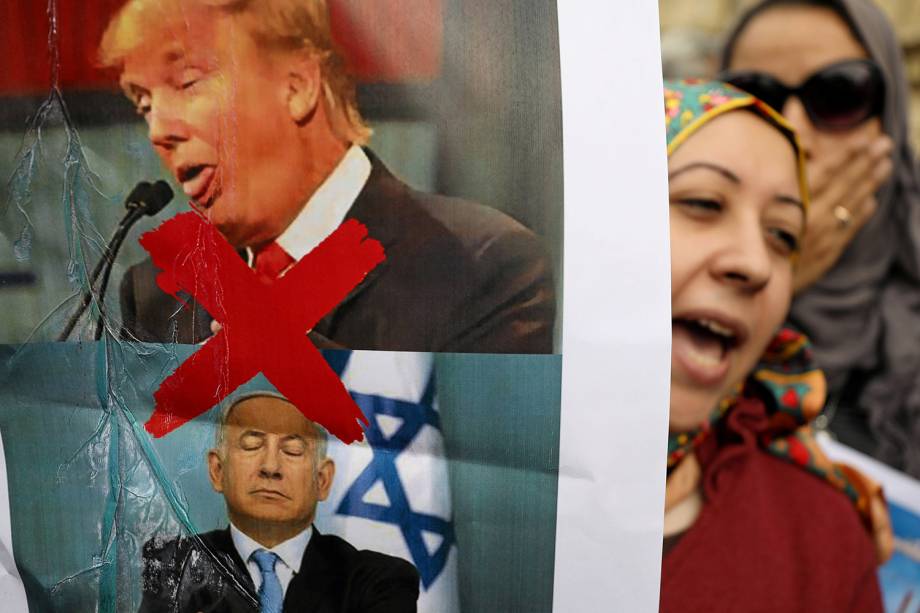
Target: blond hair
<point>289,25</point>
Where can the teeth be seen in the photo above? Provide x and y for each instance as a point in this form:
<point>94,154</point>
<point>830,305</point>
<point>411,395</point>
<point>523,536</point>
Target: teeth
<point>704,359</point>
<point>716,328</point>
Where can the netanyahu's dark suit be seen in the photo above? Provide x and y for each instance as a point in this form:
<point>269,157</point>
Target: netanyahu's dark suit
<point>458,277</point>
<point>205,573</point>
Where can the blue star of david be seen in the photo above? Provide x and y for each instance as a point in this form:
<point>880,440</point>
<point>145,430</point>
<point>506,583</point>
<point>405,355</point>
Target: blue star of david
<point>382,468</point>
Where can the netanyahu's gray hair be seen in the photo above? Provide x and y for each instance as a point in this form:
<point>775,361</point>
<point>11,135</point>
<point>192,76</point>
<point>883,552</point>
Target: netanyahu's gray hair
<point>320,441</point>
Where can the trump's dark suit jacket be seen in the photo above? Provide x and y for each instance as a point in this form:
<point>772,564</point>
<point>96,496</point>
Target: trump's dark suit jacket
<point>205,573</point>
<point>458,277</point>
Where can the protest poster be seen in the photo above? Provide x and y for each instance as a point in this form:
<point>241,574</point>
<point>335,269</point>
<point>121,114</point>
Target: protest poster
<point>900,575</point>
<point>481,464</point>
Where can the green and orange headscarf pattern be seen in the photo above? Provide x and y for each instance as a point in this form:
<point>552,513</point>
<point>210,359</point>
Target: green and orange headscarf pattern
<point>691,104</point>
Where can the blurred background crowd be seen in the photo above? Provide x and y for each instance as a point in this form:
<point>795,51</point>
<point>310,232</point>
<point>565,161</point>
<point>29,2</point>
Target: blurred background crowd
<point>692,35</point>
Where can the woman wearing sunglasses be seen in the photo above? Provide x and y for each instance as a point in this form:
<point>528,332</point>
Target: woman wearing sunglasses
<point>756,518</point>
<point>834,69</point>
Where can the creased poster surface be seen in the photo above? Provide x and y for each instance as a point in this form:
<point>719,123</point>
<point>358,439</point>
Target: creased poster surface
<point>184,449</point>
<point>102,491</point>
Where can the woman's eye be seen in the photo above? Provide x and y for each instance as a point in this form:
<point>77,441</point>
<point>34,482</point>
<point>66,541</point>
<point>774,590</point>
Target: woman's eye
<point>701,204</point>
<point>788,241</point>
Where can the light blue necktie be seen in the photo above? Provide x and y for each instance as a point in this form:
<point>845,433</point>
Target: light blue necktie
<point>271,596</point>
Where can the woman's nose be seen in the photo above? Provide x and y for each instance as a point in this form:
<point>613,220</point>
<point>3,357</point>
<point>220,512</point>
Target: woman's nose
<point>744,260</point>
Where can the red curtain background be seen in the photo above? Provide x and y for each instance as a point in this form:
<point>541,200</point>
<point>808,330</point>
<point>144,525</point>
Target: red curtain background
<point>383,41</point>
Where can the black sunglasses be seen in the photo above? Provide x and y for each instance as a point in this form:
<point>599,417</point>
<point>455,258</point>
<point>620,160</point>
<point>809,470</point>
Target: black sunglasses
<point>838,97</point>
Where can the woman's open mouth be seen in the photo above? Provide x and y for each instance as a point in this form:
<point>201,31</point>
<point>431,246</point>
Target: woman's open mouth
<point>703,347</point>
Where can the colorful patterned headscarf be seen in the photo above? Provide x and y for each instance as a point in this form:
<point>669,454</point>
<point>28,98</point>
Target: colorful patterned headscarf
<point>791,388</point>
<point>691,104</point>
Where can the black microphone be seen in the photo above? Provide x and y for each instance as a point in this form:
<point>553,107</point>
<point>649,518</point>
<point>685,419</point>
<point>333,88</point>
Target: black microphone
<point>145,199</point>
<point>150,202</point>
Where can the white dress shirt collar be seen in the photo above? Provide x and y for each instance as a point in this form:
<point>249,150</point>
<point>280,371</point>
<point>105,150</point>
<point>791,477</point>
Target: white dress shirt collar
<point>290,554</point>
<point>326,209</point>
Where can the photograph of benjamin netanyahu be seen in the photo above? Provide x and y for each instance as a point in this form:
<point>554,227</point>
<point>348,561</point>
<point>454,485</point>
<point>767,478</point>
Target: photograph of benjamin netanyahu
<point>270,465</point>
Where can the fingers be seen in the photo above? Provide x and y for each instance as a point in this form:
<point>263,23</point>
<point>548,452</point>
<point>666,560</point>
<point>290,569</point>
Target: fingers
<point>823,171</point>
<point>852,185</point>
<point>863,159</point>
<point>867,173</point>
<point>857,195</point>
<point>842,198</point>
<point>867,168</point>
<point>842,187</point>
<point>882,170</point>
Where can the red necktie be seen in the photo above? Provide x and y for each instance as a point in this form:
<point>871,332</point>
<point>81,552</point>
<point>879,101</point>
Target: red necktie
<point>271,261</point>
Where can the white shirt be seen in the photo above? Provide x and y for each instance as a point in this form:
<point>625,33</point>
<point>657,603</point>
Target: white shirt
<point>290,554</point>
<point>327,207</point>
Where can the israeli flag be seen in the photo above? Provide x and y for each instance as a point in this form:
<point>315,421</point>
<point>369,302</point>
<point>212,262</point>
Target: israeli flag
<point>390,492</point>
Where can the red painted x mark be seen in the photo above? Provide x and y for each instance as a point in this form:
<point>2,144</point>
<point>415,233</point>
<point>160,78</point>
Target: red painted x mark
<point>264,326</point>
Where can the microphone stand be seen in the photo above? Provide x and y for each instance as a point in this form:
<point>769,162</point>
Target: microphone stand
<point>144,199</point>
<point>109,262</point>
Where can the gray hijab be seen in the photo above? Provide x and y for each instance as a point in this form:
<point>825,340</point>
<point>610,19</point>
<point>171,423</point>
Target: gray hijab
<point>863,316</point>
